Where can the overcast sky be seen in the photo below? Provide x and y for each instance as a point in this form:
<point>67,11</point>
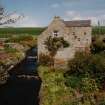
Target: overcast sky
<point>40,12</point>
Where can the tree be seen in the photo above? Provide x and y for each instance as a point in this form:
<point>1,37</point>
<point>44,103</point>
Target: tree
<point>53,44</point>
<point>8,18</point>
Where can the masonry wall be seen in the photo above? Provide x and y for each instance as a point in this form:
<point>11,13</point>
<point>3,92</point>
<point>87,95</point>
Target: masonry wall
<point>79,39</point>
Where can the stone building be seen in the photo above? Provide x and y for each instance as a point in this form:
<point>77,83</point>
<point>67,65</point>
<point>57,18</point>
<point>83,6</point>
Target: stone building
<point>77,33</point>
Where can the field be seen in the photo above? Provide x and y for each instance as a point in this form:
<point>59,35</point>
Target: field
<point>98,30</point>
<point>30,31</point>
<point>38,30</point>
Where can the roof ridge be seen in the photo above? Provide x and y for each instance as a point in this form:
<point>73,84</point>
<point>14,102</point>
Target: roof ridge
<point>78,23</point>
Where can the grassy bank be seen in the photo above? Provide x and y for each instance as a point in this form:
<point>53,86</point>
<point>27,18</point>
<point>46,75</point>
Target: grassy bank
<point>53,90</point>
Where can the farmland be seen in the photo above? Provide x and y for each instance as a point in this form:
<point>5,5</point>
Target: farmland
<point>19,31</point>
<point>98,30</point>
<point>4,32</point>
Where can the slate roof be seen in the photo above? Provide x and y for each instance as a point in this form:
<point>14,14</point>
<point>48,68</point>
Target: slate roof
<point>78,23</point>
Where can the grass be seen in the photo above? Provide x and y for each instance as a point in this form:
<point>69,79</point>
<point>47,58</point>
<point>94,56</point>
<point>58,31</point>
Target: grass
<point>98,30</point>
<point>19,31</point>
<point>4,32</point>
<point>53,90</point>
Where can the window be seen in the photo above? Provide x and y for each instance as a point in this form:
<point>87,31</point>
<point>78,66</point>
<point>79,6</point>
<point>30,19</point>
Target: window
<point>84,33</point>
<point>75,37</point>
<point>73,33</point>
<point>78,39</point>
<point>55,33</point>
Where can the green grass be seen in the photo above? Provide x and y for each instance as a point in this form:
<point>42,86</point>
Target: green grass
<point>98,30</point>
<point>53,90</point>
<point>31,31</point>
<point>4,32</point>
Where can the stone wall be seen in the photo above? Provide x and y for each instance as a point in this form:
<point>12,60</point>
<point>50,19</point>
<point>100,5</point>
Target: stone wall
<point>79,39</point>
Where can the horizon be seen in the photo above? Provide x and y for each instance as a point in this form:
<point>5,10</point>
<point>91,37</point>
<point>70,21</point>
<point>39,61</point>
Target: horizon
<point>40,14</point>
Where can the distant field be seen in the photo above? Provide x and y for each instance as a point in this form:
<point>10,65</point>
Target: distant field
<point>31,31</point>
<point>98,30</point>
<point>37,31</point>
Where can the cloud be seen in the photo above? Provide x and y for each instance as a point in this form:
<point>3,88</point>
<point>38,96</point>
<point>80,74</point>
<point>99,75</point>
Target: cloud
<point>27,22</point>
<point>14,15</point>
<point>71,14</point>
<point>55,5</point>
<point>94,16</point>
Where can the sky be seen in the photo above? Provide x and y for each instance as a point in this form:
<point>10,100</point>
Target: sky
<point>39,13</point>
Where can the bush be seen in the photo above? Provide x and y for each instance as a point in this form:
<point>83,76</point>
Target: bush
<point>88,85</point>
<point>83,64</point>
<point>97,46</point>
<point>53,44</point>
<point>102,103</point>
<point>83,84</point>
<point>86,72</point>
<point>73,82</point>
<point>79,64</point>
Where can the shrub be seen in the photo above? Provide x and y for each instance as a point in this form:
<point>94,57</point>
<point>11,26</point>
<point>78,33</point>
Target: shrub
<point>90,70</point>
<point>73,82</point>
<point>102,103</point>
<point>53,44</point>
<point>79,64</point>
<point>98,45</point>
<point>88,85</point>
<point>82,64</point>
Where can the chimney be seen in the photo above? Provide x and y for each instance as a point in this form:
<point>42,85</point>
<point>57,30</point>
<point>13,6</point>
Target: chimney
<point>57,18</point>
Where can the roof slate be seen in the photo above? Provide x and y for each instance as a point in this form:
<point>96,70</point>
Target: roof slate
<point>78,23</point>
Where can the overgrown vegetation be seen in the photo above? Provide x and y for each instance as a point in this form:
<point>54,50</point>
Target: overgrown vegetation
<point>82,84</point>
<point>98,44</point>
<point>53,90</point>
<point>12,51</point>
<point>53,44</point>
<point>86,75</point>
